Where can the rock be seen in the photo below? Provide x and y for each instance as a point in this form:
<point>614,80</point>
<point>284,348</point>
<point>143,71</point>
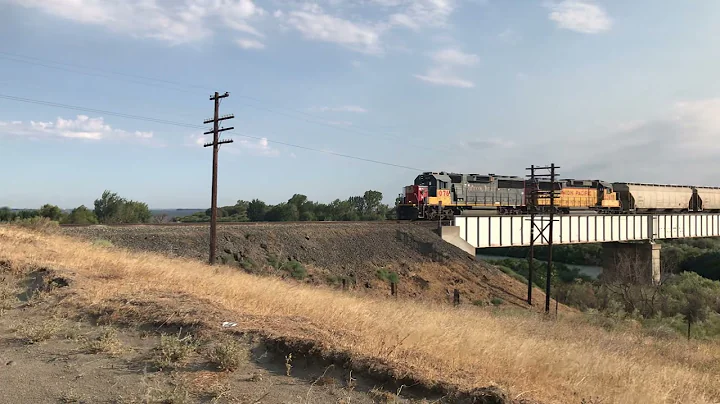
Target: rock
<point>10,363</point>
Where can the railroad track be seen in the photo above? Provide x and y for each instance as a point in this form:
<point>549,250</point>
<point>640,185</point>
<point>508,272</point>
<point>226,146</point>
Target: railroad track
<point>310,223</point>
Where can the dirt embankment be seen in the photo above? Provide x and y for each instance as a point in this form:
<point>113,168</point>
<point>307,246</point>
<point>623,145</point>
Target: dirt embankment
<point>362,256</point>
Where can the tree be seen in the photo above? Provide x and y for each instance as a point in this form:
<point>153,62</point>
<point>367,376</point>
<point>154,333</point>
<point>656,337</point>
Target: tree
<point>108,207</point>
<point>372,201</point>
<point>111,208</point>
<point>51,212</point>
<point>692,296</point>
<point>7,215</point>
<point>256,210</point>
<point>283,212</point>
<point>81,215</point>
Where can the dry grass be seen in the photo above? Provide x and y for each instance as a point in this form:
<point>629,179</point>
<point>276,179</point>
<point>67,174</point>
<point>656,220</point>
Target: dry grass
<point>107,342</point>
<point>552,361</point>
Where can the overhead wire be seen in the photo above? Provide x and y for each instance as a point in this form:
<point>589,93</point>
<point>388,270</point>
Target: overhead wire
<point>192,126</point>
<point>316,120</point>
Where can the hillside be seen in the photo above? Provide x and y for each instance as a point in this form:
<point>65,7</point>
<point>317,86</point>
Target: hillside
<point>360,253</point>
<point>396,349</point>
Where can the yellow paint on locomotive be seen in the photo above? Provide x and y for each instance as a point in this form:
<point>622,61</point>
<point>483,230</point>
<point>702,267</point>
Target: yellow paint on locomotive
<point>581,198</point>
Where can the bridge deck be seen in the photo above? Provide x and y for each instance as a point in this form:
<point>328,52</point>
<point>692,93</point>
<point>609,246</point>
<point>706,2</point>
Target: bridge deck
<point>509,231</point>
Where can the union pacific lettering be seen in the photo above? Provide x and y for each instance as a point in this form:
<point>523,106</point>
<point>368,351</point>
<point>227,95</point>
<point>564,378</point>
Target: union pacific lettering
<point>578,192</point>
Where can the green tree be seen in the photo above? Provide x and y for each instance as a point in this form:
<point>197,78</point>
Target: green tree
<point>256,210</point>
<point>51,212</point>
<point>81,215</point>
<point>7,215</point>
<point>283,212</point>
<point>372,201</point>
<point>107,208</point>
<point>111,208</point>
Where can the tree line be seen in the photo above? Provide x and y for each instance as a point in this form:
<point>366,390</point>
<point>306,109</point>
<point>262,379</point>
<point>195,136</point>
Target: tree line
<point>110,208</point>
<point>369,206</point>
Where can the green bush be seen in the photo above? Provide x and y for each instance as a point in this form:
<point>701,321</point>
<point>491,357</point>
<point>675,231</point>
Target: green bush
<point>296,270</point>
<point>496,301</point>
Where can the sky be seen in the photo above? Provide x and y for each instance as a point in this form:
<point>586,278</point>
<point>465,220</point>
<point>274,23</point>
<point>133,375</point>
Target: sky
<point>112,94</point>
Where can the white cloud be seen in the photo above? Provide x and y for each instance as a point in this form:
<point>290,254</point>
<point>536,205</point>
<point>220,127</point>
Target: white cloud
<point>581,16</point>
<point>683,140</point>
<point>443,72</point>
<point>416,14</point>
<point>82,127</point>
<point>256,147</point>
<point>314,24</point>
<point>249,44</point>
<point>171,21</point>
<point>454,57</point>
<point>343,108</point>
<point>443,77</point>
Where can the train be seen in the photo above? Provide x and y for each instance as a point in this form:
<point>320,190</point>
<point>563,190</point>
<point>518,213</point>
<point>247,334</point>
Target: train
<point>442,195</point>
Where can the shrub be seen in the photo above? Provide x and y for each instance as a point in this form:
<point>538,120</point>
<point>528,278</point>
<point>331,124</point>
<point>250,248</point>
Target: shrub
<point>296,269</point>
<point>384,275</point>
<point>228,355</point>
<point>173,350</point>
<point>34,333</point>
<point>38,223</point>
<point>496,301</point>
<point>103,243</point>
<point>107,342</point>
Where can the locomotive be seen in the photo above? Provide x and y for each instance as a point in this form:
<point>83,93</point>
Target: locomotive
<point>442,195</point>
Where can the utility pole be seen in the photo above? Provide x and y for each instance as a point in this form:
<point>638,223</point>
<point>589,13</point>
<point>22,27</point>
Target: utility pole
<point>531,201</point>
<point>550,239</point>
<point>216,146</point>
<point>534,206</point>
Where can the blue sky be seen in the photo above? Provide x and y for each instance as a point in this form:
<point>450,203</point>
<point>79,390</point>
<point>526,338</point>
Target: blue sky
<point>609,89</point>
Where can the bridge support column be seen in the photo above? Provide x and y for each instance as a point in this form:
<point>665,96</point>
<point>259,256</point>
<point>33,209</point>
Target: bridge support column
<point>631,262</point>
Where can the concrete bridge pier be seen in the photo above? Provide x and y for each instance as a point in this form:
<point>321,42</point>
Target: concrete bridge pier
<point>632,262</point>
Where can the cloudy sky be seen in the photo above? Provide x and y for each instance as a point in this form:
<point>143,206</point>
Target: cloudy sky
<point>611,89</point>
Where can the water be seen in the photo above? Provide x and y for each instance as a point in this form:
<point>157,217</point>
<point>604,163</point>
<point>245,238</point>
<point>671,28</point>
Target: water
<point>589,270</point>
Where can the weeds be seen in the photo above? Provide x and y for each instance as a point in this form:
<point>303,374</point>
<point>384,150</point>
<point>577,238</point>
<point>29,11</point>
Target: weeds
<point>101,242</point>
<point>107,343</point>
<point>40,224</point>
<point>296,270</point>
<point>228,355</point>
<point>39,332</point>
<point>288,364</point>
<point>496,301</point>
<point>8,298</point>
<point>174,351</point>
<point>384,275</point>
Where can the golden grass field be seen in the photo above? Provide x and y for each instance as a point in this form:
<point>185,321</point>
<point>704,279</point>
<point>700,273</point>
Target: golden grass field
<point>553,361</point>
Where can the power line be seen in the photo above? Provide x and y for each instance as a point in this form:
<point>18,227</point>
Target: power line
<point>316,120</point>
<point>191,126</point>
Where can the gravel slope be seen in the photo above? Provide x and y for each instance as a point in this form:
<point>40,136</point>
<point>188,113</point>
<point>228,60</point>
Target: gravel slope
<point>359,253</point>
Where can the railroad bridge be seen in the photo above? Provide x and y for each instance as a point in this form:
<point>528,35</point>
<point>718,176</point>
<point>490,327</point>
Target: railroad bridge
<point>622,235</point>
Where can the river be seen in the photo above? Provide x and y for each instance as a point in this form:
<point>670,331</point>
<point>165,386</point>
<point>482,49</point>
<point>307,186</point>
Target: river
<point>589,270</point>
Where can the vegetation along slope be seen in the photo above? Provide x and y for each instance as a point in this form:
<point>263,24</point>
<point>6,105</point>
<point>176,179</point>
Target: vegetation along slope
<point>457,348</point>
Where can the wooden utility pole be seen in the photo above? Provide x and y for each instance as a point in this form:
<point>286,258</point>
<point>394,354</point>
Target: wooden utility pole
<point>550,239</point>
<point>216,146</point>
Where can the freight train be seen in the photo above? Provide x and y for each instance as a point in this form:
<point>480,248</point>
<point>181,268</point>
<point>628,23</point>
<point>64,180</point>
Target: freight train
<point>442,195</point>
